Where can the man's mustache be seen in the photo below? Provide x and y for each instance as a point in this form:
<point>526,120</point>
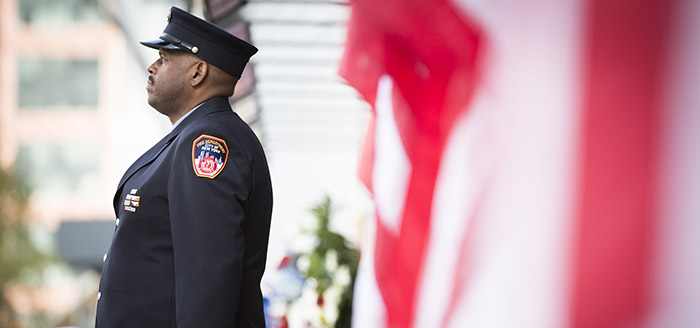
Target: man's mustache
<point>150,78</point>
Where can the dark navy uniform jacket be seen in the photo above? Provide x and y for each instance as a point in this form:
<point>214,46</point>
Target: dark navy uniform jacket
<point>193,222</point>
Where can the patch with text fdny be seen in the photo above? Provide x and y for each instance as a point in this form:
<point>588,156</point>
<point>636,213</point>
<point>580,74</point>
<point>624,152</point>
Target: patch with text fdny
<point>209,155</point>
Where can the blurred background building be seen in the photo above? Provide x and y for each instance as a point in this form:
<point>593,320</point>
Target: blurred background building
<point>74,116</point>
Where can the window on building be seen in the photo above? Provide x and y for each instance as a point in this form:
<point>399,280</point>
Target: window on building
<point>57,83</point>
<point>68,168</point>
<point>58,12</point>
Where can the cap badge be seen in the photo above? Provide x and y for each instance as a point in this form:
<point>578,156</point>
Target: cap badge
<point>209,155</point>
<point>178,42</point>
<point>169,14</point>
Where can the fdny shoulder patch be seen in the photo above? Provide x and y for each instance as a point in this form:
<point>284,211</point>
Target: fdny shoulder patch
<point>209,155</point>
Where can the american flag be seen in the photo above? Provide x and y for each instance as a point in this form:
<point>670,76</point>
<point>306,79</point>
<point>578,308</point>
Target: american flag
<point>532,163</point>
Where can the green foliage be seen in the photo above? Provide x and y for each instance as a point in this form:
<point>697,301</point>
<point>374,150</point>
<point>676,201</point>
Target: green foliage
<point>20,259</point>
<point>346,256</point>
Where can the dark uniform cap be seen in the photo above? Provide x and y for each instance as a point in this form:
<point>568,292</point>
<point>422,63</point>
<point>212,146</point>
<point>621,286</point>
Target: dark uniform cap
<point>205,40</point>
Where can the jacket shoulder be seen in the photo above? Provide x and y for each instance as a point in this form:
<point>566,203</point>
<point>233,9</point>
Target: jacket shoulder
<point>219,130</point>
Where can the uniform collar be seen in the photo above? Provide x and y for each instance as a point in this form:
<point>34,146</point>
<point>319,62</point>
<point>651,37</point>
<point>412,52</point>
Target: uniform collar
<point>186,114</point>
<point>216,104</point>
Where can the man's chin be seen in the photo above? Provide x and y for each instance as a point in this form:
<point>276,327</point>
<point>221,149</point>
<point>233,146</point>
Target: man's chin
<point>153,103</point>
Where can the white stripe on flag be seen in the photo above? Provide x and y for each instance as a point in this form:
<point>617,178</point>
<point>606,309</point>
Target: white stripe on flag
<point>368,310</point>
<point>677,289</point>
<point>519,275</point>
<point>465,169</point>
<point>391,165</point>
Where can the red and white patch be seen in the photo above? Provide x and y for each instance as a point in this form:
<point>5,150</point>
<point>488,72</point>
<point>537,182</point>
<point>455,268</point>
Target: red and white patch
<point>209,155</point>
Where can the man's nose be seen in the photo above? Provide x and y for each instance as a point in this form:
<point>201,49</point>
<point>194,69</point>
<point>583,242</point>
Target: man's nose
<point>151,69</point>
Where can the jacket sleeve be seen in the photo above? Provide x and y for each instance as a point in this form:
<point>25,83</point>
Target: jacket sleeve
<point>206,218</point>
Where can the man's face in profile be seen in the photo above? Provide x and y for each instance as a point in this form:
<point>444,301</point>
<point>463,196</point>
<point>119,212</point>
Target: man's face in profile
<point>167,80</point>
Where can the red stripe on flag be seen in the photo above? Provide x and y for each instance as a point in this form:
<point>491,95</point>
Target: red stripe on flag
<point>433,72</point>
<point>398,259</point>
<point>623,75</point>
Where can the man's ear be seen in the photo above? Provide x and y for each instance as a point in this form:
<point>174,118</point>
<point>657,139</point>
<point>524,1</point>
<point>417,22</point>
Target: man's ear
<point>199,72</point>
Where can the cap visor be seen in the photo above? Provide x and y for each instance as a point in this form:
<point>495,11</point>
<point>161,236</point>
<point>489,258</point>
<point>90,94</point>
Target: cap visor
<point>159,43</point>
